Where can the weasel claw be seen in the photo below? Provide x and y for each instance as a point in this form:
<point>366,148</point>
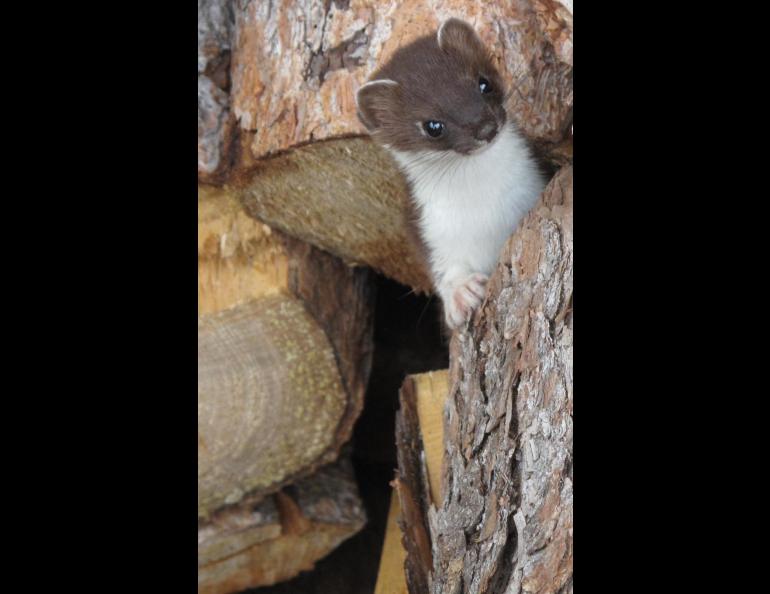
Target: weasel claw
<point>465,297</point>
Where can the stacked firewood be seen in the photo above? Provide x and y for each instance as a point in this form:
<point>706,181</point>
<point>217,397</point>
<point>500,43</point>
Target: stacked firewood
<point>296,208</point>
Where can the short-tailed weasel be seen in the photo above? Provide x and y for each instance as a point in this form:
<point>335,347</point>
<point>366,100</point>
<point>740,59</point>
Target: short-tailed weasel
<point>438,107</point>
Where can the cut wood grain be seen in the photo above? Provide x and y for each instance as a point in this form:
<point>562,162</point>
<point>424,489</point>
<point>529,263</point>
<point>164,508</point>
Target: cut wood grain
<point>285,344</point>
<point>344,196</point>
<point>254,281</point>
<point>270,398</point>
<point>239,258</point>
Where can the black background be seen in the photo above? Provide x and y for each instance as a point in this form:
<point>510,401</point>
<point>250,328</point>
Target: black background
<point>106,484</point>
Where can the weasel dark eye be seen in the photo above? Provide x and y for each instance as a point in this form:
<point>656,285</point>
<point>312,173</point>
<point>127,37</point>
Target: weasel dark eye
<point>485,86</point>
<point>434,128</point>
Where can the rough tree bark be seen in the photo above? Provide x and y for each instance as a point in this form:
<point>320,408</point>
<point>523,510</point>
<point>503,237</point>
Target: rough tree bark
<point>504,523</point>
<point>296,64</point>
<point>277,124</point>
<point>216,125</point>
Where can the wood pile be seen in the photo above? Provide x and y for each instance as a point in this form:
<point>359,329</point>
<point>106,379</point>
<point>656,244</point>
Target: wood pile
<point>297,210</point>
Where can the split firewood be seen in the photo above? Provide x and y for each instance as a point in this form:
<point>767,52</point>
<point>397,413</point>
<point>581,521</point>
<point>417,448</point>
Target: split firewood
<point>247,546</point>
<point>284,353</point>
<point>503,522</point>
<point>419,437</point>
<point>390,577</point>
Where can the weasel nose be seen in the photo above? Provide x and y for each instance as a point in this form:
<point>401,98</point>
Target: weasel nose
<point>487,131</point>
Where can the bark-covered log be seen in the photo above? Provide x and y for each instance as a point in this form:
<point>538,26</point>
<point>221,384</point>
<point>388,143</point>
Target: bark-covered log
<point>286,140</point>
<point>245,546</point>
<point>285,341</point>
<point>505,519</point>
<point>297,64</point>
<point>216,124</point>
<point>419,439</point>
<point>505,524</point>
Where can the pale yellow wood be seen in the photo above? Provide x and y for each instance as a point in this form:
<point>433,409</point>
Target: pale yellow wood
<point>391,579</point>
<point>239,258</point>
<point>431,391</point>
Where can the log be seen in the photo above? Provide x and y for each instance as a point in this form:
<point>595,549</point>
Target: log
<point>284,138</point>
<point>296,65</point>
<point>345,197</point>
<point>269,398</point>
<point>419,437</point>
<point>249,546</point>
<point>413,484</point>
<point>285,344</point>
<point>504,522</point>
<point>239,258</point>
<point>299,193</point>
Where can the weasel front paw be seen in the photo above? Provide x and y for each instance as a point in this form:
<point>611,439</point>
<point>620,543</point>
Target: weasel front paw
<point>463,299</point>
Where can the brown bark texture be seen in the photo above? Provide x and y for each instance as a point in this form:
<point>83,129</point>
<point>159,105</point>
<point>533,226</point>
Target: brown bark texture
<point>216,126</point>
<point>277,119</point>
<point>296,64</point>
<point>412,486</point>
<point>504,524</point>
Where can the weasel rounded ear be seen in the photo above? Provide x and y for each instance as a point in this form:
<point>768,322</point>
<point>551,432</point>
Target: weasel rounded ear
<point>375,98</point>
<point>458,35</point>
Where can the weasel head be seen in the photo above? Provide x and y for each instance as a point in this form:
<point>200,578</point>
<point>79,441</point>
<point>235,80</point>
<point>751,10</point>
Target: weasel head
<point>439,93</point>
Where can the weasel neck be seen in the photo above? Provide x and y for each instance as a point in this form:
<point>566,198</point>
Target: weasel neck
<point>448,176</point>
